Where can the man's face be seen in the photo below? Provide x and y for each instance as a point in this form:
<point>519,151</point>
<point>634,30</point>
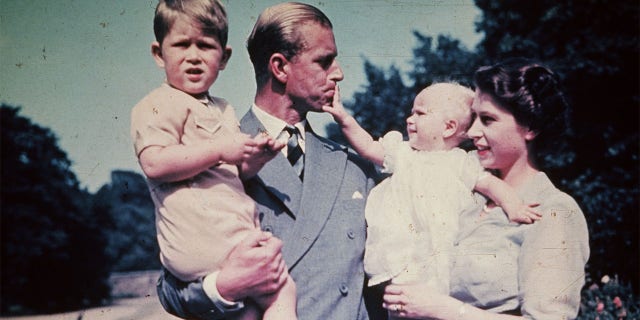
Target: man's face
<point>313,73</point>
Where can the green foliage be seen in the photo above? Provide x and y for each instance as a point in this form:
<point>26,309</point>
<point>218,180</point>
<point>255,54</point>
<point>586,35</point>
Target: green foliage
<point>129,217</point>
<point>52,248</point>
<point>610,300</point>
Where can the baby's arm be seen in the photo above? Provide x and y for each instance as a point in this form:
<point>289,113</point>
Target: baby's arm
<point>179,162</point>
<point>359,139</point>
<point>504,196</point>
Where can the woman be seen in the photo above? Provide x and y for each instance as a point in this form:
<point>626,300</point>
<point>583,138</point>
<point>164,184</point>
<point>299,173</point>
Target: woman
<point>506,270</point>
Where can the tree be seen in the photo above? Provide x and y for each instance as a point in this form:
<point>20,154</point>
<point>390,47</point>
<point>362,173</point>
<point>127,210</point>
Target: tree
<point>129,222</point>
<point>52,248</point>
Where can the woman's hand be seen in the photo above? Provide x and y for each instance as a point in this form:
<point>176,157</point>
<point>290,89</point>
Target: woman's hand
<point>419,301</point>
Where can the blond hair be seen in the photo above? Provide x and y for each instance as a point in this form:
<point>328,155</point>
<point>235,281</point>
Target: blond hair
<point>454,100</point>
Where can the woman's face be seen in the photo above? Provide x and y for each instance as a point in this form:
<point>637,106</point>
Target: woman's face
<point>501,142</point>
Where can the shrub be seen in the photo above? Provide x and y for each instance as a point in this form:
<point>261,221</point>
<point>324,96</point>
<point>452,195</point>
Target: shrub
<point>610,299</point>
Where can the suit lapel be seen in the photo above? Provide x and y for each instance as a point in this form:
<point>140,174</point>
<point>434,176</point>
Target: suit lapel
<point>277,175</point>
<point>310,203</point>
<point>323,174</point>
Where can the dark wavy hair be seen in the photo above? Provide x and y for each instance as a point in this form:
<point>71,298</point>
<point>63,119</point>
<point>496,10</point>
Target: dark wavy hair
<point>531,92</point>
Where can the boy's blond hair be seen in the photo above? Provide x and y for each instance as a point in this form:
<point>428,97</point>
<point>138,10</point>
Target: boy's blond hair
<point>455,102</point>
<point>210,14</point>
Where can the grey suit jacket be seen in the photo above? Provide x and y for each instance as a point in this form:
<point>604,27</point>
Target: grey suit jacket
<point>321,223</point>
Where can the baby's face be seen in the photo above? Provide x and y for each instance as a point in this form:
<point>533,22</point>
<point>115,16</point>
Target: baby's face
<point>426,123</point>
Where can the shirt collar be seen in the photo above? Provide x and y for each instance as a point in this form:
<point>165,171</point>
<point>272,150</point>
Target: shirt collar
<point>275,125</point>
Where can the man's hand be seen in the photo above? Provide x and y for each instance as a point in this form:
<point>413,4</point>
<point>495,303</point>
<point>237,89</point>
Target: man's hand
<point>253,268</point>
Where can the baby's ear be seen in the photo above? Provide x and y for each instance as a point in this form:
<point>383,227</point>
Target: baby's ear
<point>450,128</point>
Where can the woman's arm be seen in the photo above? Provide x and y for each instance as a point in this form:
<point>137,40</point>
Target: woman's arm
<point>552,260</point>
<point>419,301</point>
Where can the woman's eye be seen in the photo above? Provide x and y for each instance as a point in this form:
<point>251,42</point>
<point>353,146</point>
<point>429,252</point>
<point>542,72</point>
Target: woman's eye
<point>486,120</point>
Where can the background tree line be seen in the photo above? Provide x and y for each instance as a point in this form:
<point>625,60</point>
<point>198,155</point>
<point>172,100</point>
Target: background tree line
<point>60,242</point>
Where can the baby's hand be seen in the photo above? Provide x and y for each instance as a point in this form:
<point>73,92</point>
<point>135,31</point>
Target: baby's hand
<point>524,213</point>
<point>336,109</point>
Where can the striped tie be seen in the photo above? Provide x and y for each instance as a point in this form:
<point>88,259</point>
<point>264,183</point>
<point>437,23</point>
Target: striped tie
<point>294,151</point>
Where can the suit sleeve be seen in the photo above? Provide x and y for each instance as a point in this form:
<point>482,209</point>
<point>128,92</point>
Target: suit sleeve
<point>188,300</point>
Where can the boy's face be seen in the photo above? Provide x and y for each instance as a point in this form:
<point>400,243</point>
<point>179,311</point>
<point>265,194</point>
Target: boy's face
<point>426,124</point>
<point>191,58</point>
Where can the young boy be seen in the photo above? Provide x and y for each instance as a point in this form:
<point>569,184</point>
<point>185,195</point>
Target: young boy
<point>412,216</point>
<point>192,152</point>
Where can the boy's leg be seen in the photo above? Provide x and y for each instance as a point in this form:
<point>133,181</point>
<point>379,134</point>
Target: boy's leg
<point>250,312</point>
<point>280,305</point>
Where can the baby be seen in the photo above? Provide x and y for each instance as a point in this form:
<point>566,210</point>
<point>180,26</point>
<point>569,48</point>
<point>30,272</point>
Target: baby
<point>412,216</point>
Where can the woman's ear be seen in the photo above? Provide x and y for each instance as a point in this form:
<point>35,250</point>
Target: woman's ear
<point>279,66</point>
<point>530,135</point>
<point>156,52</point>
<point>226,55</point>
<point>450,128</point>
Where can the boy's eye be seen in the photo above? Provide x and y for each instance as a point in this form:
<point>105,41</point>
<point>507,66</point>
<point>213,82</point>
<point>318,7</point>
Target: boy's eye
<point>206,45</point>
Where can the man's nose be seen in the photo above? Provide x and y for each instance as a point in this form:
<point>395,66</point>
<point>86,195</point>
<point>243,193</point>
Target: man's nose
<point>336,72</point>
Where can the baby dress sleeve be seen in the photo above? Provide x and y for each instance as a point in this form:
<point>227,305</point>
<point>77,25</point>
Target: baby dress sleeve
<point>391,143</point>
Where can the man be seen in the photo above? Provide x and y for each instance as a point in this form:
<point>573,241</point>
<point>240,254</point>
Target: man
<point>313,203</point>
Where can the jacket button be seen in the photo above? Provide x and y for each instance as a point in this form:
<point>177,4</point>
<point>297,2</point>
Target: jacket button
<point>344,289</point>
<point>268,228</point>
<point>351,234</point>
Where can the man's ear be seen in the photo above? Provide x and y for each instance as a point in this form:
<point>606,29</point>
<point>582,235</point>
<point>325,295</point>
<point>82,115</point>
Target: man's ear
<point>156,52</point>
<point>226,55</point>
<point>450,128</point>
<point>279,66</point>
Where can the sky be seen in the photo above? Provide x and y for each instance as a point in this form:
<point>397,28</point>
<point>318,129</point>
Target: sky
<point>77,67</point>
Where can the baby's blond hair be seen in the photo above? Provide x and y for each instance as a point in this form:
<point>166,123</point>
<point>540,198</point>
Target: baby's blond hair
<point>454,100</point>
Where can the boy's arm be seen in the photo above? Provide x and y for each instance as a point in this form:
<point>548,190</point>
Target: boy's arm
<point>505,196</point>
<point>179,162</point>
<point>266,148</point>
<point>359,139</point>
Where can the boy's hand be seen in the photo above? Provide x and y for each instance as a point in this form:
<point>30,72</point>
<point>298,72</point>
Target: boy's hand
<point>523,213</point>
<point>235,148</point>
<point>265,148</point>
<point>336,109</point>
